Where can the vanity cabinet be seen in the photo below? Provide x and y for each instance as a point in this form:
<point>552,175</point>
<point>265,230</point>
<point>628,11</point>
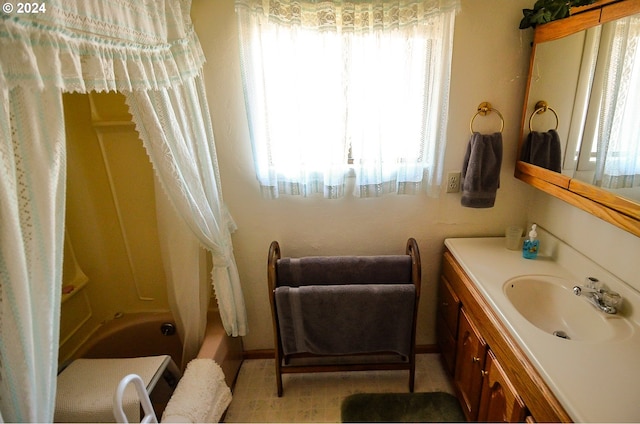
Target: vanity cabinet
<point>493,378</point>
<point>447,324</point>
<point>500,400</point>
<point>470,361</point>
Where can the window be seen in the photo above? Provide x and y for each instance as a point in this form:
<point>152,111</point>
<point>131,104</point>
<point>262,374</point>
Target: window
<point>618,152</point>
<point>330,81</point>
<point>611,149</point>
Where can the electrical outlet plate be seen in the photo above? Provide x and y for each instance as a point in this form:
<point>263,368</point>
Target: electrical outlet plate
<point>453,182</point>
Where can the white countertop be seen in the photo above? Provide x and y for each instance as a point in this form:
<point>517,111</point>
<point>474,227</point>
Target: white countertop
<point>594,381</point>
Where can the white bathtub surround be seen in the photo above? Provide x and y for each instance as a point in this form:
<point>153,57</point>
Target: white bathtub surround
<point>594,380</point>
<point>202,395</point>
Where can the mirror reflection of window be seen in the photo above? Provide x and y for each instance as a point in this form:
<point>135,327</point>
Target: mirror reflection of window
<point>610,151</point>
<point>618,151</point>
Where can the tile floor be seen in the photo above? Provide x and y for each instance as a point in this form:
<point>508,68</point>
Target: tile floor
<point>317,397</point>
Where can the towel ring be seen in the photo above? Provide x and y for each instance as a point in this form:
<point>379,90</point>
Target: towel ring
<point>484,109</point>
<point>542,107</point>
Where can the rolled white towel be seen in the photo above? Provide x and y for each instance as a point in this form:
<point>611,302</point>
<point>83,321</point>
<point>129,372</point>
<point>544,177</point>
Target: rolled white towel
<point>201,396</point>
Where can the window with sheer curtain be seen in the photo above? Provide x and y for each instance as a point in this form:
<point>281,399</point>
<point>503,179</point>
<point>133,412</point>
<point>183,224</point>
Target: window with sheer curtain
<point>335,86</point>
<point>618,151</point>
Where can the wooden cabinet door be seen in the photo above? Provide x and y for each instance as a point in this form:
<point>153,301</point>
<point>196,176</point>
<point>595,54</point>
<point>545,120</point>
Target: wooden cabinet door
<point>448,306</point>
<point>447,324</point>
<point>499,401</point>
<point>470,359</point>
<point>447,345</point>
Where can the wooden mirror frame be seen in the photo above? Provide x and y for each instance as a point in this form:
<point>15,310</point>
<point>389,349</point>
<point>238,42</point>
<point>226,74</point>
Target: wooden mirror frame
<point>619,211</point>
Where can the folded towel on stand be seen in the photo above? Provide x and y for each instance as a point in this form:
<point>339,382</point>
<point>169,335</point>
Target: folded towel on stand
<point>369,317</point>
<point>320,270</point>
<point>543,149</point>
<point>481,170</point>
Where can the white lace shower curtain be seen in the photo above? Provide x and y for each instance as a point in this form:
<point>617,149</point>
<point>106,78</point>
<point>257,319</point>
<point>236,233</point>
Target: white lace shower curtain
<point>145,49</point>
<point>184,265</point>
<point>187,168</point>
<point>32,191</point>
<point>618,153</point>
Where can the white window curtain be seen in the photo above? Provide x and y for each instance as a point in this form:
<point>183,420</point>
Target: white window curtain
<point>330,81</point>
<point>148,48</point>
<point>618,153</point>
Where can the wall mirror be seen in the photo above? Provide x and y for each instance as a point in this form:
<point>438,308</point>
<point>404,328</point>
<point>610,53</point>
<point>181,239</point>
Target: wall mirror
<point>584,83</point>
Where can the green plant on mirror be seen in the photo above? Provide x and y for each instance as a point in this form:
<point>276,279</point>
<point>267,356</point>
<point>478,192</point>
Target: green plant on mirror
<point>549,10</point>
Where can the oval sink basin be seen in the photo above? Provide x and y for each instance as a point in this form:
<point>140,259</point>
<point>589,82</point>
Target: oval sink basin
<point>549,303</point>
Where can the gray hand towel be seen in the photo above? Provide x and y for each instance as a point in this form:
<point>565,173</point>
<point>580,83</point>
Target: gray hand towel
<point>543,149</point>
<point>481,170</point>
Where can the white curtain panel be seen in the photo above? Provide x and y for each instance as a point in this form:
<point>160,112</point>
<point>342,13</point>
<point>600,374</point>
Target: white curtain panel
<point>101,45</point>
<point>618,154</point>
<point>32,191</point>
<point>175,127</point>
<point>184,262</point>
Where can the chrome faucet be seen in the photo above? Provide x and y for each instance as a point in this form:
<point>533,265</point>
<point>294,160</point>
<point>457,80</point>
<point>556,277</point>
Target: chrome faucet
<point>603,299</point>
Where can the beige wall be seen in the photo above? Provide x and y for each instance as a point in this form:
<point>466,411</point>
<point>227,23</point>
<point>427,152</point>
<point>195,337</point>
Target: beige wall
<point>612,248</point>
<point>490,62</point>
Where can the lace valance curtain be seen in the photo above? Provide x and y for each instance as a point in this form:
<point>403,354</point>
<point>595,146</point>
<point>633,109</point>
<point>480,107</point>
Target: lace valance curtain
<point>349,16</point>
<point>148,50</point>
<point>334,85</point>
<point>100,45</point>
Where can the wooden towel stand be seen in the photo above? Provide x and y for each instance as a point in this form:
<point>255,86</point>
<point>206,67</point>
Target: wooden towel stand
<point>368,274</point>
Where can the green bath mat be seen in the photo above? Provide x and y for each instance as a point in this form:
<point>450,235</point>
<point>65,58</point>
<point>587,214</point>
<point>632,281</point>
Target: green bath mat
<point>401,407</point>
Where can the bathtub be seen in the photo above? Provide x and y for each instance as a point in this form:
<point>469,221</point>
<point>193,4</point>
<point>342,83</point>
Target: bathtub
<point>149,333</point>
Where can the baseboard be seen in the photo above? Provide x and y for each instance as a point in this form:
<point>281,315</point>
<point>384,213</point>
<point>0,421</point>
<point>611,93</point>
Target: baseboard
<point>428,348</point>
<point>259,354</point>
<point>269,353</point>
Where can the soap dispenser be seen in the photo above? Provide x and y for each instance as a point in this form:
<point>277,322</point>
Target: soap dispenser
<point>531,245</point>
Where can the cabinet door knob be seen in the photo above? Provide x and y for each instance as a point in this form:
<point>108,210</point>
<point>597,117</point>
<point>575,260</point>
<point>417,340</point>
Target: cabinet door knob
<point>484,373</point>
<point>445,304</point>
<point>475,359</point>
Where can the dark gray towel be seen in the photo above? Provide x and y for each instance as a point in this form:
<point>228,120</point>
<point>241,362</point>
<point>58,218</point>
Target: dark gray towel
<point>481,170</point>
<point>543,149</point>
<point>317,270</point>
<point>346,319</point>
